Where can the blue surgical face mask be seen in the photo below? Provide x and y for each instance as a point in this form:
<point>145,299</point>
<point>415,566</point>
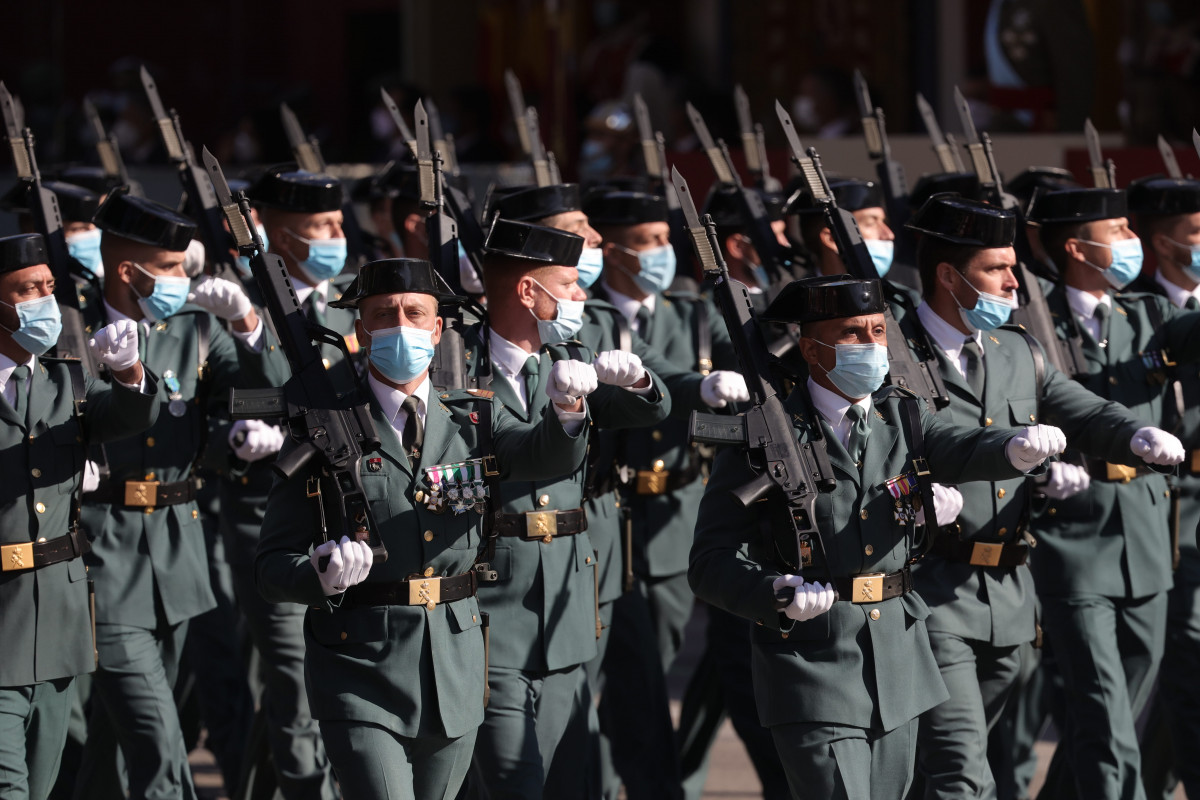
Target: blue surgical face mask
<point>401,353</point>
<point>568,319</point>
<point>657,268</point>
<point>40,325</point>
<point>85,248</point>
<point>1192,267</point>
<point>244,261</point>
<point>860,368</point>
<point>326,258</point>
<point>1126,261</point>
<point>591,262</point>
<point>882,252</point>
<point>169,295</point>
<point>990,311</point>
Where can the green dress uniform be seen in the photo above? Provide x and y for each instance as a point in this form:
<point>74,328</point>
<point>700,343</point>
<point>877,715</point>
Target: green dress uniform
<point>1103,563</point>
<point>45,613</point>
<point>148,556</point>
<point>398,685</point>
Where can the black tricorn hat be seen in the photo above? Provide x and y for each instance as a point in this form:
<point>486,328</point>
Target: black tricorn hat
<point>1077,205</point>
<point>89,177</point>
<point>145,221</point>
<point>959,220</point>
<point>538,202</point>
<point>405,181</point>
<point>825,297</point>
<point>289,188</point>
<point>1160,196</point>
<point>21,251</point>
<point>724,205</point>
<point>850,194</point>
<point>607,207</point>
<point>534,243</point>
<point>1043,179</point>
<point>396,276</point>
<point>963,183</point>
<point>75,203</point>
<point>373,187</point>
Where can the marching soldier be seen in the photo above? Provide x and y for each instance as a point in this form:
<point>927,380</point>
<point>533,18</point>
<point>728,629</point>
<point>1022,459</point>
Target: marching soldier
<point>863,199</point>
<point>148,558</point>
<point>1103,564</point>
<point>50,414</point>
<point>395,658</point>
<point>979,591</point>
<point>843,672</point>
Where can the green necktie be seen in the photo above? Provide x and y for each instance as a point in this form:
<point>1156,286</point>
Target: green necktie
<point>1192,304</point>
<point>530,371</point>
<point>975,375</point>
<point>413,435</point>
<point>21,404</point>
<point>856,443</point>
<point>315,315</point>
<point>643,318</point>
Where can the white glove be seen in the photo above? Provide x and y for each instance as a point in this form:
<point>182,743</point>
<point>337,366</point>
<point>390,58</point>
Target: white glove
<point>1065,480</point>
<point>947,505</point>
<point>253,439</point>
<point>221,298</point>
<point>116,345</point>
<point>722,387</point>
<point>349,563</point>
<point>570,380</point>
<point>91,477</point>
<point>1033,445</point>
<point>1157,447</point>
<point>619,368</point>
<point>811,599</point>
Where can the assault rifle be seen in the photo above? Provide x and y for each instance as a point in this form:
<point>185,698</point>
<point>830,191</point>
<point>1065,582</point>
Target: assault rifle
<point>516,104</point>
<point>1168,157</point>
<point>106,146</point>
<point>765,431</point>
<point>947,155</point>
<point>338,431</point>
<point>1104,173</point>
<point>755,163</point>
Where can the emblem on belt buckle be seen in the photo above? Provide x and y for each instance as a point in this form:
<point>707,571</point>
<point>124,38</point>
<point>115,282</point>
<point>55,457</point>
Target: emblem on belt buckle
<point>867,588</point>
<point>984,554</point>
<point>541,524</point>
<point>141,493</point>
<point>424,592</point>
<point>1120,472</point>
<point>17,556</point>
<point>1196,461</point>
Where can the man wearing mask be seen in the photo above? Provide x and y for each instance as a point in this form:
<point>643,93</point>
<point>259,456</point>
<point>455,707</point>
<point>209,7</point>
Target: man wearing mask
<point>1103,564</point>
<point>975,579</point>
<point>395,654</point>
<point>44,593</point>
<point>843,727</point>
<point>148,559</point>
<point>863,199</point>
<point>744,261</point>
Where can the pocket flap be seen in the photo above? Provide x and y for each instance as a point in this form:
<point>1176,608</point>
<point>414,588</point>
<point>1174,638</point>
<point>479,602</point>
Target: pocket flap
<point>351,626</point>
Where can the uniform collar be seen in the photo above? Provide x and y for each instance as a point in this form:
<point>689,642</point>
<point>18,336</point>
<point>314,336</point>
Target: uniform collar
<point>1084,303</point>
<point>626,304</point>
<point>7,366</point>
<point>833,406</point>
<point>390,399</point>
<point>112,315</point>
<point>949,338</point>
<point>510,358</point>
<point>1176,294</point>
<point>303,290</point>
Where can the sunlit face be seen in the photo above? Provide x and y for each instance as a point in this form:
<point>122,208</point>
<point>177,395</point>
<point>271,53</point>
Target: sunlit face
<point>1103,232</point>
<point>407,309</point>
<point>541,292</point>
<point>863,329</point>
<point>574,222</point>
<point>22,285</point>
<point>989,271</point>
<point>872,224</point>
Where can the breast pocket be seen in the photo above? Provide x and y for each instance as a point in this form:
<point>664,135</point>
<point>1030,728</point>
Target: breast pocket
<point>67,458</point>
<point>357,629</point>
<point>1023,411</point>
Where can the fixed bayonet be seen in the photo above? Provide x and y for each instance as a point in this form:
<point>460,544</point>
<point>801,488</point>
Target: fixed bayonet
<point>974,145</point>
<point>952,142</point>
<point>760,145</point>
<point>405,133</point>
<point>106,145</point>
<point>654,168</point>
<point>746,125</point>
<point>1196,140</point>
<point>945,155</point>
<point>1102,173</point>
<point>1168,157</point>
<point>12,131</point>
<point>552,164</point>
<point>870,123</point>
<point>537,149</point>
<point>303,149</point>
<point>425,169</point>
<point>166,125</point>
<point>516,104</point>
<point>441,144</point>
<point>719,164</point>
<point>808,171</point>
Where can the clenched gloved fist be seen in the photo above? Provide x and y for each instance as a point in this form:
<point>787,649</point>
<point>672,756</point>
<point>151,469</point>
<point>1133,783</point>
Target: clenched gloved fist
<point>221,298</point>
<point>1065,480</point>
<point>723,387</point>
<point>618,368</point>
<point>253,439</point>
<point>349,563</point>
<point>116,345</point>
<point>947,505</point>
<point>1033,445</point>
<point>811,599</point>
<point>1157,447</point>
<point>570,380</point>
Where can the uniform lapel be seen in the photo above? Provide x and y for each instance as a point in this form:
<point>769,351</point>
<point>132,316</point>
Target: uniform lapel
<point>438,432</point>
<point>880,442</point>
<point>954,378</point>
<point>1000,371</point>
<point>1121,333</point>
<point>838,456</point>
<point>9,414</point>
<point>41,394</point>
<point>390,446</point>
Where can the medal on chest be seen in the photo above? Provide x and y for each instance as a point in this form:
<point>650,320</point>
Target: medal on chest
<point>458,486</point>
<point>903,489</point>
<point>176,407</point>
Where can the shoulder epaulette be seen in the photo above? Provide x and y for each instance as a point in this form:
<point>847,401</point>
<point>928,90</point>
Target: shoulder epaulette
<point>452,395</point>
<point>892,389</point>
<point>60,360</point>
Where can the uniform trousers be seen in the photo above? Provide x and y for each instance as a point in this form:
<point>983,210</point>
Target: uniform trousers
<point>33,730</point>
<point>372,763</point>
<point>843,762</point>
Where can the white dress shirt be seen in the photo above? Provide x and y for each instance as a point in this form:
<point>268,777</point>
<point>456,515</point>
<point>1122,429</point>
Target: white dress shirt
<point>391,401</point>
<point>1084,305</point>
<point>833,408</point>
<point>1176,294</point>
<point>629,307</point>
<point>508,360</point>
<point>303,290</point>
<point>949,338</point>
<point>7,385</point>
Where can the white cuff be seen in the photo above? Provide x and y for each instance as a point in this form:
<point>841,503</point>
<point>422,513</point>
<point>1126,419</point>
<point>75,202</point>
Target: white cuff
<point>572,421</point>
<point>252,340</point>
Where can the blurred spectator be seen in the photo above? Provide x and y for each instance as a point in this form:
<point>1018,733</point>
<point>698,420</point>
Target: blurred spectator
<point>825,105</point>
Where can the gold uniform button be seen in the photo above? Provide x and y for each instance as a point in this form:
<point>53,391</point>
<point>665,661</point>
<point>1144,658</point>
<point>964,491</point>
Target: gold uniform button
<point>429,572</point>
<point>195,514</point>
<point>344,636</point>
<point>1112,379</point>
<point>245,480</point>
<point>547,539</point>
<point>419,496</point>
<point>429,536</point>
<point>35,472</point>
<point>1002,531</point>
<point>1033,417</point>
<point>587,560</point>
<point>656,435</point>
<point>862,514</point>
<point>659,464</point>
<point>783,635</point>
<point>1000,493</point>
<point>149,441</point>
<point>544,500</point>
<point>874,613</point>
<point>41,539</point>
<point>987,423</point>
<point>149,476</point>
<point>1052,511</point>
<point>1167,493</point>
<point>868,549</point>
<point>41,508</point>
<point>148,510</point>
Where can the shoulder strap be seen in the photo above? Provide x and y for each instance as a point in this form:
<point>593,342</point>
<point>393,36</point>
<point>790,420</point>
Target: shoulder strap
<point>79,403</point>
<point>910,420</point>
<point>491,479</point>
<point>1150,301</point>
<point>1039,365</point>
<point>703,335</point>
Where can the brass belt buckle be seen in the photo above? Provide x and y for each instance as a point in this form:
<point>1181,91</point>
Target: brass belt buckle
<point>424,592</point>
<point>141,493</point>
<point>541,525</point>
<point>867,588</point>
<point>1196,462</point>
<point>1120,472</point>
<point>653,481</point>
<point>984,554</point>
<point>17,556</point>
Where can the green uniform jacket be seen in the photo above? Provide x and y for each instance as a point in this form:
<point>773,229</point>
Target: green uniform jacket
<point>414,671</point>
<point>45,621</point>
<point>1113,539</point>
<point>543,607</point>
<point>865,665</point>
<point>996,604</point>
<point>145,561</point>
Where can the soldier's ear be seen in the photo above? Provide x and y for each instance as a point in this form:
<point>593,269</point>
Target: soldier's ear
<point>808,350</point>
<point>945,275</point>
<point>826,238</point>
<point>526,292</point>
<point>735,246</point>
<point>437,330</point>
<point>364,338</point>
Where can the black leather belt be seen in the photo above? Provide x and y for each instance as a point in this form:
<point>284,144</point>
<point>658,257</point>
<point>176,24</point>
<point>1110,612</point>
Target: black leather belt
<point>874,587</point>
<point>30,555</point>
<point>425,591</point>
<point>544,525</point>
<point>1102,470</point>
<point>151,494</point>
<point>982,554</point>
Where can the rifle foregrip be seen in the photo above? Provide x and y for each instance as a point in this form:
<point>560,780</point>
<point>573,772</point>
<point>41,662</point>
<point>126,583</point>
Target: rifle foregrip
<point>289,464</point>
<point>716,429</point>
<point>256,403</point>
<point>753,490</point>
